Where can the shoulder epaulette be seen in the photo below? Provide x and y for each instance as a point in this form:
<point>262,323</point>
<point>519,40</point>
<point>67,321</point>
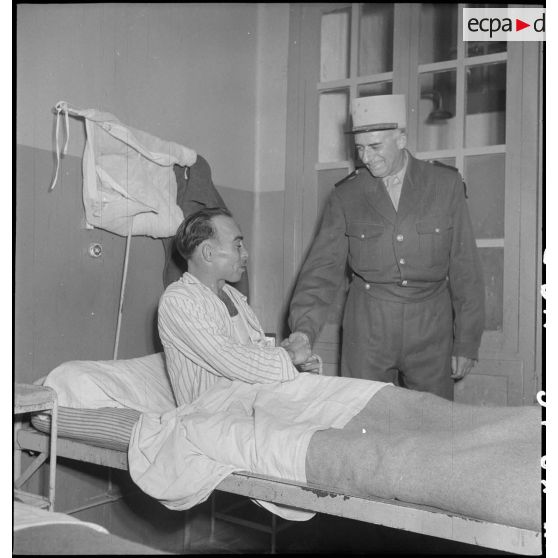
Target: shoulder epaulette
<point>349,176</point>
<point>440,164</point>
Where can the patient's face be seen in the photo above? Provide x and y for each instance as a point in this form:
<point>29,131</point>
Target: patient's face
<point>231,255</point>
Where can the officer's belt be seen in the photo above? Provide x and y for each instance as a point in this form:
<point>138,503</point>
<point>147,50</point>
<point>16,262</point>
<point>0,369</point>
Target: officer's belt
<point>397,293</point>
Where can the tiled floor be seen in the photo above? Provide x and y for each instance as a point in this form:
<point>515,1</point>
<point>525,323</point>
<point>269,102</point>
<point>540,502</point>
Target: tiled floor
<point>321,535</point>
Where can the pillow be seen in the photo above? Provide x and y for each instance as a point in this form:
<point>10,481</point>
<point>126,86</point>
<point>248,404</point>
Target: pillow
<point>107,427</point>
<point>138,383</point>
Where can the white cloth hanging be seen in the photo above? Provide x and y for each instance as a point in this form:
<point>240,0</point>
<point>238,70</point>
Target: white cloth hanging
<point>127,174</point>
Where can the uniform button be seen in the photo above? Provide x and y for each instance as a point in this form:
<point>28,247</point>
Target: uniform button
<point>437,230</point>
<point>399,238</point>
<point>367,286</point>
<point>402,261</point>
<point>361,236</point>
<point>404,283</point>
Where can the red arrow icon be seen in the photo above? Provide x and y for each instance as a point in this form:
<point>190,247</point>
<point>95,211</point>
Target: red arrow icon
<point>519,25</point>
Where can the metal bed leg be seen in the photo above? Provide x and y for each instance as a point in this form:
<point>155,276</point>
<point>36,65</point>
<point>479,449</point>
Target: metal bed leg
<point>273,532</point>
<point>212,519</point>
<point>30,399</point>
<point>187,537</point>
<point>17,450</point>
<point>52,461</point>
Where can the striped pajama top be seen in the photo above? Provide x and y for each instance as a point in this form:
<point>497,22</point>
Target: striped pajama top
<point>202,348</point>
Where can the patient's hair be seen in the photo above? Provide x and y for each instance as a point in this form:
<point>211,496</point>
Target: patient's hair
<point>196,228</point>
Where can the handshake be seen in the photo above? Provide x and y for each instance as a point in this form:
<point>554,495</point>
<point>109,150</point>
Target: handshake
<point>298,347</point>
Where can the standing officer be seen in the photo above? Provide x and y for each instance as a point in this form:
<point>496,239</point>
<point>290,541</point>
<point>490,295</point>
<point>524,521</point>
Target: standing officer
<point>415,307</point>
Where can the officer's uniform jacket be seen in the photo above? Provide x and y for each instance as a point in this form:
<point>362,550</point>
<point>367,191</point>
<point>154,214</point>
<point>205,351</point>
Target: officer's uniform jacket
<point>404,256</point>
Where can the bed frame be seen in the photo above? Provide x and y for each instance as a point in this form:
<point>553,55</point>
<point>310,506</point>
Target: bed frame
<point>389,513</point>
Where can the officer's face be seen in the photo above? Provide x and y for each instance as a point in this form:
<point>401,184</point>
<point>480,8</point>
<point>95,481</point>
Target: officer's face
<point>382,151</point>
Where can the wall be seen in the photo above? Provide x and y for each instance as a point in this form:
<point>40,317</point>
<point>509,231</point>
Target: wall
<point>270,133</point>
<point>197,74</point>
<point>172,70</point>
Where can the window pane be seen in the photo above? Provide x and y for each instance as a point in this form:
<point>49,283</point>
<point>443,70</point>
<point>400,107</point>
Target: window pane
<point>436,111</point>
<point>478,48</point>
<point>492,260</point>
<point>485,179</point>
<point>333,123</point>
<point>376,39</point>
<point>438,33</point>
<point>379,88</point>
<point>485,121</point>
<point>335,45</point>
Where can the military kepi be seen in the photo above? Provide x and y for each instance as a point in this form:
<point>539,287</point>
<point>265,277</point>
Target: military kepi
<point>379,112</point>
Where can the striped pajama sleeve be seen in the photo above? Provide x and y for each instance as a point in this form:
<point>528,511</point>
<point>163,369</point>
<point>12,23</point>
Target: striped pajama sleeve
<point>196,329</point>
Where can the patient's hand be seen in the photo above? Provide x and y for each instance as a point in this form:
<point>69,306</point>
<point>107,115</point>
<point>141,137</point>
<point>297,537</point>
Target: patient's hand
<point>298,347</point>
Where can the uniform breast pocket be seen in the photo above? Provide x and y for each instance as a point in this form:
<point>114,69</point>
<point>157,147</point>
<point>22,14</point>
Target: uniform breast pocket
<point>364,245</point>
<point>435,235</point>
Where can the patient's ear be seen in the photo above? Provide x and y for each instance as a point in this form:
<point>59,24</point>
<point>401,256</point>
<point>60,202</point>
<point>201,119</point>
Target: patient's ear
<point>206,251</point>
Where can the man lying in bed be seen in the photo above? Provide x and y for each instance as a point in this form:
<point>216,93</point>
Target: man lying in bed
<point>354,436</point>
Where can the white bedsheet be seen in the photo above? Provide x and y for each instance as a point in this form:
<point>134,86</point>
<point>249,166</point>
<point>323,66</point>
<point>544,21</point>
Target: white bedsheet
<point>179,455</point>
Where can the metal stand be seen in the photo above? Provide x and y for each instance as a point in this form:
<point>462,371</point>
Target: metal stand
<point>273,528</point>
<point>31,399</point>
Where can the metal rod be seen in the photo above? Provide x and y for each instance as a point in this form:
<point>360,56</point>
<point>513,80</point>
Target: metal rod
<point>100,500</point>
<point>187,535</point>
<point>30,471</point>
<point>212,520</point>
<point>273,533</point>
<point>123,289</point>
<point>17,450</point>
<point>53,447</point>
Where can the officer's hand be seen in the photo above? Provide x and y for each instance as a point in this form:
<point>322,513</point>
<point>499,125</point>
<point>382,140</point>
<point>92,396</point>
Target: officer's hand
<point>313,365</point>
<point>461,366</point>
<point>298,347</point>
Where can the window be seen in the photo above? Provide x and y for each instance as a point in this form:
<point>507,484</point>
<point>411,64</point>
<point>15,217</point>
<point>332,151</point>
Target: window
<point>465,109</point>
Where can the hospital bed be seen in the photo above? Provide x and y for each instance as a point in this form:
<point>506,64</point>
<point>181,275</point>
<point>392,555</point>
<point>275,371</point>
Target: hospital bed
<point>389,513</point>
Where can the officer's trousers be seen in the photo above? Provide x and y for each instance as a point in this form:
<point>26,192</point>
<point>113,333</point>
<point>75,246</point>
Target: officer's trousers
<point>409,344</point>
